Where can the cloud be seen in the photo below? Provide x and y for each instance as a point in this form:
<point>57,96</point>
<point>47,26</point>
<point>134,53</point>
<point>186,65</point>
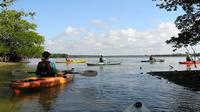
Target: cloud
<point>72,31</point>
<point>99,23</point>
<point>117,42</point>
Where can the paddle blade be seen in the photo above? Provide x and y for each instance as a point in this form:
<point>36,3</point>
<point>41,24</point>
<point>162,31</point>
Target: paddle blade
<point>89,73</point>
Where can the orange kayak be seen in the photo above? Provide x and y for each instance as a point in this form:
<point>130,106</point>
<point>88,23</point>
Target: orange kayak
<point>33,83</point>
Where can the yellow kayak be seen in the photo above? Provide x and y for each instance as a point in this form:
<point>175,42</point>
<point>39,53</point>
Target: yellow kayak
<point>72,61</point>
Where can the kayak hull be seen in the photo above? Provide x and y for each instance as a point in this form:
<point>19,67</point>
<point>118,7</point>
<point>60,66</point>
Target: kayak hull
<point>176,73</point>
<point>157,60</point>
<point>103,64</point>
<point>189,62</point>
<point>34,83</point>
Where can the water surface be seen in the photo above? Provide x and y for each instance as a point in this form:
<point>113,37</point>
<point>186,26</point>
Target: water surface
<point>114,88</point>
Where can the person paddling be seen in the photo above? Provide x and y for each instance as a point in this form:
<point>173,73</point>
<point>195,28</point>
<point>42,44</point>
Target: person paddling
<point>101,59</point>
<point>45,68</point>
<point>151,58</point>
<point>188,57</point>
<point>68,59</point>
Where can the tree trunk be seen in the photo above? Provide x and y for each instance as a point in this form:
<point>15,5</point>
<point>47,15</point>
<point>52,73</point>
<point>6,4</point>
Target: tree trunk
<point>14,58</point>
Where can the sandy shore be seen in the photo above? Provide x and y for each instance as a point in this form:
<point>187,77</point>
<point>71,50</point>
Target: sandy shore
<point>9,63</point>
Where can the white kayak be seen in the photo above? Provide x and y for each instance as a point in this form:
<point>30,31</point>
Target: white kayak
<point>156,60</point>
<point>104,63</point>
<point>137,107</point>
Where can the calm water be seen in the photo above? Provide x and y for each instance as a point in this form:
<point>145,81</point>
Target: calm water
<point>114,88</point>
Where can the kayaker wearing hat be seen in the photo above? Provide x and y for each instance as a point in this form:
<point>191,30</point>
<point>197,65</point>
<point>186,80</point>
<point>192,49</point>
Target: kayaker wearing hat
<point>45,68</point>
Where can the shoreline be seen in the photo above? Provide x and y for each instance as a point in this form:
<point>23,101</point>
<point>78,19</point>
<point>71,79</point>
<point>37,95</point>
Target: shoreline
<point>10,63</point>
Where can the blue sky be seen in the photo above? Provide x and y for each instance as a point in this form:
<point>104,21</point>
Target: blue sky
<point>96,20</point>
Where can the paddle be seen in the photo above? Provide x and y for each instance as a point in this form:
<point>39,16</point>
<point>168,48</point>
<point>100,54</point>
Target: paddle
<point>87,73</point>
<point>195,53</point>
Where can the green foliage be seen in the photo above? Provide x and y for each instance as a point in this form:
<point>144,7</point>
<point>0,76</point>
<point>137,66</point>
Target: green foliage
<point>6,3</point>
<point>3,49</point>
<point>18,37</point>
<point>188,23</point>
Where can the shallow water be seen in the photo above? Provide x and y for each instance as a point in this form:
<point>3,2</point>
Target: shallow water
<point>112,90</point>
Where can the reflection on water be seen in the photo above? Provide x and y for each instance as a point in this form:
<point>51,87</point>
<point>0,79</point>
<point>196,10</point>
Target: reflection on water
<point>112,90</point>
<point>44,99</point>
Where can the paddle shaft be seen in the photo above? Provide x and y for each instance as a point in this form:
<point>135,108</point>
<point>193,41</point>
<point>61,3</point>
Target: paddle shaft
<point>61,71</point>
<point>87,73</point>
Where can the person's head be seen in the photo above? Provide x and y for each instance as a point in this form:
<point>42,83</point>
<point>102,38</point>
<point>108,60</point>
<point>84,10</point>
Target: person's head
<point>46,55</point>
<point>138,104</point>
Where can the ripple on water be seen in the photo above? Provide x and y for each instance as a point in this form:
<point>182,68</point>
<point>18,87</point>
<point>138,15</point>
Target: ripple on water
<point>112,90</point>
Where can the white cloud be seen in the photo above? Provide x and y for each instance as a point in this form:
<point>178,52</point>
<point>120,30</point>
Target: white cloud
<point>74,31</point>
<point>115,42</point>
<point>99,23</point>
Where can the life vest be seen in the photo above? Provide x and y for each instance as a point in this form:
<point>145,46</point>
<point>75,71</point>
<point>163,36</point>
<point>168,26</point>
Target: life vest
<point>68,59</point>
<point>44,69</point>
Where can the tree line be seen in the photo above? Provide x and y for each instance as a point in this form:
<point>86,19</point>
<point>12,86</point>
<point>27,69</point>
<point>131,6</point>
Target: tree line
<point>18,37</point>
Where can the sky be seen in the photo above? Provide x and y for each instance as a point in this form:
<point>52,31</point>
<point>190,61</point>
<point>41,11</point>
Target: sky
<point>108,27</point>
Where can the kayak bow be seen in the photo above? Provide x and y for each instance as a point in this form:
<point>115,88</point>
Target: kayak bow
<point>137,107</point>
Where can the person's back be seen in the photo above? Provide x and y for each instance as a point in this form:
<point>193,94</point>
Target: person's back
<point>46,68</point>
<point>188,57</point>
<point>43,68</point>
